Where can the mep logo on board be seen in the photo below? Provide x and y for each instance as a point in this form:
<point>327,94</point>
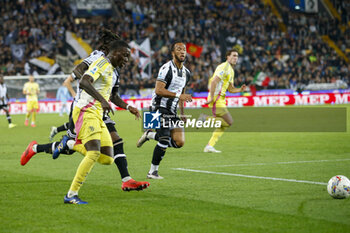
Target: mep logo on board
<point>151,120</point>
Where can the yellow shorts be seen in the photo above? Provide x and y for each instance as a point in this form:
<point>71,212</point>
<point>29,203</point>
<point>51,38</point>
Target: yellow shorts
<point>32,105</point>
<point>90,126</point>
<point>218,107</point>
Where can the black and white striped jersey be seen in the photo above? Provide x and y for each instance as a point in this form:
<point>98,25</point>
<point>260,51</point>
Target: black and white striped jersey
<point>175,80</point>
<point>3,94</point>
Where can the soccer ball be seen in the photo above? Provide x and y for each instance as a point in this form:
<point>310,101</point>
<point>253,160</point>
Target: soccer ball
<point>339,187</point>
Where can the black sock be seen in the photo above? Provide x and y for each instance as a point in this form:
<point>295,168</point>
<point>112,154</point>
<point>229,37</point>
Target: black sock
<point>63,127</point>
<point>159,152</point>
<point>48,148</point>
<point>120,158</point>
<point>9,119</point>
<point>44,148</point>
<point>122,165</point>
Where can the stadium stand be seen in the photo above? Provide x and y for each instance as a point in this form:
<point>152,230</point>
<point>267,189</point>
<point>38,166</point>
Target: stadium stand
<point>271,58</point>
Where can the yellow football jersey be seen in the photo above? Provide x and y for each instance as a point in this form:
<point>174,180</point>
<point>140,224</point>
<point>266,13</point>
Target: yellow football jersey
<point>102,72</point>
<point>226,74</point>
<point>32,90</point>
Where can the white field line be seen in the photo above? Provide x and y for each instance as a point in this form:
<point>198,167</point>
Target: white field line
<point>273,163</point>
<point>249,176</point>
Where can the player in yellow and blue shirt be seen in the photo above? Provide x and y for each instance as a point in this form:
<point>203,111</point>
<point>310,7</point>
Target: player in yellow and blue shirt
<point>119,158</point>
<point>91,131</point>
<point>31,90</point>
<point>222,81</point>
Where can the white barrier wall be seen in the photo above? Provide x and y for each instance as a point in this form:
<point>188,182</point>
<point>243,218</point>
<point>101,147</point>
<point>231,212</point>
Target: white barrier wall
<point>238,101</point>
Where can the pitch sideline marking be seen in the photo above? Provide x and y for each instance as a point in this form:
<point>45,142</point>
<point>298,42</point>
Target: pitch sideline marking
<point>261,164</point>
<point>249,176</point>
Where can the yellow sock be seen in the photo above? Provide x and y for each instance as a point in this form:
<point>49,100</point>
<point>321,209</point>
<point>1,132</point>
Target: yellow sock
<point>84,169</point>
<point>215,136</point>
<point>33,116</point>
<point>27,115</point>
<point>103,159</point>
<point>218,132</point>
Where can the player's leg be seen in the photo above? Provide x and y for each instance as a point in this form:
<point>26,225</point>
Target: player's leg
<point>70,135</point>
<point>66,126</point>
<point>34,112</point>
<point>159,152</point>
<point>120,160</point>
<point>8,116</point>
<point>89,131</point>
<point>84,168</point>
<point>119,155</point>
<point>29,112</point>
<point>223,115</point>
<point>66,108</point>
<point>56,130</point>
<point>34,148</point>
<point>175,141</point>
<point>103,159</point>
<point>177,138</point>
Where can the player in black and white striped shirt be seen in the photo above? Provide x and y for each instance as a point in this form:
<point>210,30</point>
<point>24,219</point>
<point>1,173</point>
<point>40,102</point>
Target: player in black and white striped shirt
<point>4,97</point>
<point>169,93</point>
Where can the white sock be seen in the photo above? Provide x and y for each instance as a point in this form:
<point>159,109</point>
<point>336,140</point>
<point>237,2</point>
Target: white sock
<point>126,178</point>
<point>34,147</point>
<point>70,144</point>
<point>71,193</point>
<point>151,135</point>
<point>153,168</point>
<point>53,146</point>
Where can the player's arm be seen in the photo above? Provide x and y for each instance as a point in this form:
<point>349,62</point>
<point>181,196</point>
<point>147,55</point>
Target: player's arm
<point>233,89</point>
<point>181,106</point>
<point>68,83</point>
<point>25,89</point>
<point>212,88</point>
<point>115,99</point>
<point>7,97</point>
<point>86,84</point>
<point>162,91</point>
<point>78,72</point>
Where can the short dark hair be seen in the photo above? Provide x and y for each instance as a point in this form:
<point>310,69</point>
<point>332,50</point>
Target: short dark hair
<point>172,48</point>
<point>118,44</point>
<point>228,53</point>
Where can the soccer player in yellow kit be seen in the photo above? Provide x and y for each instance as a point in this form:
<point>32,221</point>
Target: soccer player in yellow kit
<point>219,83</point>
<point>97,84</point>
<point>31,90</point>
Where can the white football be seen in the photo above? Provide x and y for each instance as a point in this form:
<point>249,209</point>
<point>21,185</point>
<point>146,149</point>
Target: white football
<point>339,187</point>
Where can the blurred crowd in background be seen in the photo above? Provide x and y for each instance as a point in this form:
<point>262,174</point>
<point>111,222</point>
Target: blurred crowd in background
<point>291,58</point>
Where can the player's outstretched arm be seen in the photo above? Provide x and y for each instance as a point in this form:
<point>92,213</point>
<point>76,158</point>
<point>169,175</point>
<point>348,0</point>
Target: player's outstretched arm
<point>115,99</point>
<point>233,89</point>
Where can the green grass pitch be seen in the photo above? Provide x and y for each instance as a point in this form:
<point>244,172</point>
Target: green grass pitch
<point>223,199</point>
